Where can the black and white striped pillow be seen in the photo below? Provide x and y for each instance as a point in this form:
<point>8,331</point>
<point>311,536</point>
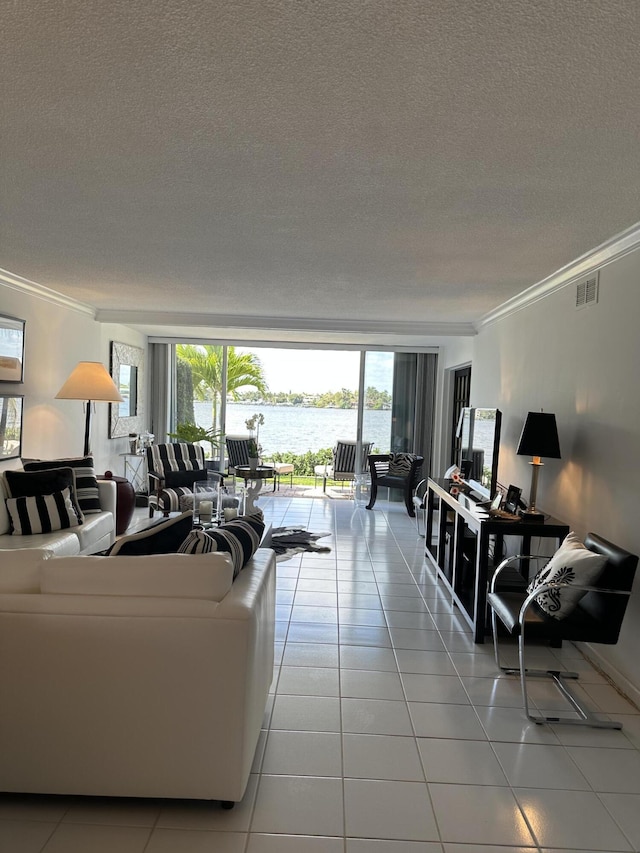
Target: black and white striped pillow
<point>87,492</point>
<point>240,538</point>
<point>42,513</point>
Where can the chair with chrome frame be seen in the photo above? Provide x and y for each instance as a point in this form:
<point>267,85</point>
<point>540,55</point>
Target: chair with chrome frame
<point>596,616</point>
<point>419,501</point>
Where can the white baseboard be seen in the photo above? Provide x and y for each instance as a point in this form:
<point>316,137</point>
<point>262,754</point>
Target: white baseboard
<point>617,679</point>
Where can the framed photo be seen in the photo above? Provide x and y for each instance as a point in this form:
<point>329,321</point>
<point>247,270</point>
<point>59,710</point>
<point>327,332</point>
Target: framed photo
<point>10,427</point>
<point>512,500</point>
<point>11,349</point>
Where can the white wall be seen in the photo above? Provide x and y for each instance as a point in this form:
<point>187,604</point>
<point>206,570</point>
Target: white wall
<point>583,366</point>
<point>57,337</point>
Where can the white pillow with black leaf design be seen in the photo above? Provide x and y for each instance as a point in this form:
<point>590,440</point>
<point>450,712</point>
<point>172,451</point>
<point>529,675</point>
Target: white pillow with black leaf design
<point>573,566</point>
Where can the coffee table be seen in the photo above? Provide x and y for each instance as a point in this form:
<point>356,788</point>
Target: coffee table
<point>253,478</point>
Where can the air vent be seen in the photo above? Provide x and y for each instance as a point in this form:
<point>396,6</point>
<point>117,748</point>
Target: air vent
<point>587,292</point>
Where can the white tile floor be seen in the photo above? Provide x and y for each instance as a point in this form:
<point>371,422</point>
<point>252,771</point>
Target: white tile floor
<point>388,730</point>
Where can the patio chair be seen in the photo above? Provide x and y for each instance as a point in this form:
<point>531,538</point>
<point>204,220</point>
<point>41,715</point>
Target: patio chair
<point>396,471</point>
<point>237,451</point>
<point>343,465</point>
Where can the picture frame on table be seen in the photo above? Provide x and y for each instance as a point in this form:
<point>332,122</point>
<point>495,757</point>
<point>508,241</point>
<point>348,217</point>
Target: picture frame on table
<point>11,349</point>
<point>11,426</point>
<point>512,501</point>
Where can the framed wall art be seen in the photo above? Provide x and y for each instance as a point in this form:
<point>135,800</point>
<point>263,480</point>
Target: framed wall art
<point>10,427</point>
<point>11,349</point>
<point>127,372</point>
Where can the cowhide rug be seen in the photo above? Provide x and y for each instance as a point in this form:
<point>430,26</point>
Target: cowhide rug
<point>287,541</point>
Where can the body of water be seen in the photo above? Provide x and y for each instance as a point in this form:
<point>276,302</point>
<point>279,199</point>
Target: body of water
<point>297,429</point>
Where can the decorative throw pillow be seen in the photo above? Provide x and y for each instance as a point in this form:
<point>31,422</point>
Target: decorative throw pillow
<point>87,492</point>
<point>43,513</point>
<point>240,538</point>
<point>26,484</point>
<point>400,464</point>
<point>164,537</point>
<point>572,564</point>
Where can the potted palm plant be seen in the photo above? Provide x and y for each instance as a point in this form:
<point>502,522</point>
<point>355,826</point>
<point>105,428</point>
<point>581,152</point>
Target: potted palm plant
<point>192,434</point>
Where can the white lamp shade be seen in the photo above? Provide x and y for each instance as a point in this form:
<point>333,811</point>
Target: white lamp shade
<point>89,380</point>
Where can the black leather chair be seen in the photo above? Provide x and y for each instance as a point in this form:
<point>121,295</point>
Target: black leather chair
<point>396,471</point>
<point>597,618</point>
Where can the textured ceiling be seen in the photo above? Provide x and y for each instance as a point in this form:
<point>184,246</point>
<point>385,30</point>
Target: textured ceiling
<point>340,159</point>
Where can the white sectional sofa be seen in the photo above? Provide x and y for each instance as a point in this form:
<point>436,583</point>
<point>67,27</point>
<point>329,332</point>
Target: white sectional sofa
<point>96,533</point>
<point>134,676</point>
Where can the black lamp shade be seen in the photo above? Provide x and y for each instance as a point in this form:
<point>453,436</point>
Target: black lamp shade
<point>539,436</point>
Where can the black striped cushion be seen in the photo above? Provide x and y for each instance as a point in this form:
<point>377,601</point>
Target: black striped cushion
<point>240,538</point>
<point>161,538</point>
<point>42,513</point>
<point>27,484</point>
<point>87,493</point>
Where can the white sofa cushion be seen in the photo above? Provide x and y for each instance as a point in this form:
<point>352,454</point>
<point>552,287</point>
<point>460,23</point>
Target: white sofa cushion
<point>207,576</point>
<point>20,569</point>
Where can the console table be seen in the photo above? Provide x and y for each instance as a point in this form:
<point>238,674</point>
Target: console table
<point>135,470</point>
<point>467,538</point>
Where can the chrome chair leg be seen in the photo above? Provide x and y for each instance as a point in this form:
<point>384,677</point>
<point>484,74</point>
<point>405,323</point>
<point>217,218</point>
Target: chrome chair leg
<point>586,716</point>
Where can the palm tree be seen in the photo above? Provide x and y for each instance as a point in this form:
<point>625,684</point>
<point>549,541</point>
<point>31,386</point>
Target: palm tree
<point>243,370</point>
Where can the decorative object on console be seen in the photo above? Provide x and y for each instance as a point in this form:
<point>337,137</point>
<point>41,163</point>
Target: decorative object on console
<point>539,438</point>
<point>89,381</point>
<point>11,349</point>
<point>10,427</point>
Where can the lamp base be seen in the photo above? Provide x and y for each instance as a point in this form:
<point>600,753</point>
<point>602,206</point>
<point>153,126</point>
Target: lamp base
<point>532,515</point>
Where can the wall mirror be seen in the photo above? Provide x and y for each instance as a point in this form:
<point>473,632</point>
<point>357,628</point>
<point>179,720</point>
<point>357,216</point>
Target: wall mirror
<point>479,433</point>
<point>127,372</point>
<point>10,427</point>
<point>11,349</point>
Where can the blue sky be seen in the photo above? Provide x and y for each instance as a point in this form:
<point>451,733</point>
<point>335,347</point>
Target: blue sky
<point>316,371</point>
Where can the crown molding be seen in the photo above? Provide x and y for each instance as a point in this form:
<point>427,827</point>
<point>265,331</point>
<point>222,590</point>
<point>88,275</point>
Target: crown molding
<point>285,324</point>
<point>16,282</point>
<point>613,249</point>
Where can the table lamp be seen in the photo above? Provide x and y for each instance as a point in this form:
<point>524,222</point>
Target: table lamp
<point>90,381</point>
<point>539,438</point>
